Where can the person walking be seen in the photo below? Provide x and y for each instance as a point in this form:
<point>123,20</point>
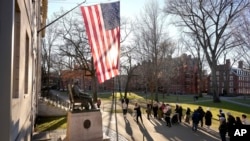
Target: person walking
<point>195,119</point>
<point>238,122</point>
<point>124,109</point>
<point>138,112</point>
<point>230,125</point>
<point>223,128</point>
<point>98,103</point>
<point>155,109</point>
<point>127,101</point>
<point>201,115</point>
<point>188,113</point>
<point>148,110</point>
<point>167,112</point>
<point>208,118</point>
<point>179,111</point>
<point>160,111</point>
<point>221,114</point>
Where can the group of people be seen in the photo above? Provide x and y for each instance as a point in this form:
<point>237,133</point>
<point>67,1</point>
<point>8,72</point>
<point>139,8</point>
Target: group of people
<point>137,109</point>
<point>161,111</point>
<point>227,124</point>
<point>198,117</point>
<point>164,112</point>
<point>227,121</point>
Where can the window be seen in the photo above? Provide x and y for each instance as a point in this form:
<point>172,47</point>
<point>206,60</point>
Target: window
<point>231,77</point>
<point>27,55</point>
<point>16,63</point>
<point>231,84</point>
<point>217,72</point>
<point>231,90</point>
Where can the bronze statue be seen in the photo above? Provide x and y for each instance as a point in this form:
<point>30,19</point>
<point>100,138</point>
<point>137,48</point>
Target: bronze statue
<point>78,96</point>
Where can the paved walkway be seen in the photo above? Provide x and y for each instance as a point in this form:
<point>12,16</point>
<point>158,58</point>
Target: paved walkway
<point>119,128</point>
<point>152,129</point>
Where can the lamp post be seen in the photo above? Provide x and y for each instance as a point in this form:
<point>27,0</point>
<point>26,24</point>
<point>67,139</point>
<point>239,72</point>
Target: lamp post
<point>244,93</point>
<point>59,81</point>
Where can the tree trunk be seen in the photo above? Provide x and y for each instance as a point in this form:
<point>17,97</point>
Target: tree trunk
<point>126,90</point>
<point>215,92</point>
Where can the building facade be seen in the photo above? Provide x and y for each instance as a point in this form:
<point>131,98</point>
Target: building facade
<point>232,80</point>
<point>20,21</point>
<point>179,75</point>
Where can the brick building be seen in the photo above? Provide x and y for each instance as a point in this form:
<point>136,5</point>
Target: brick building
<point>232,80</point>
<point>187,79</point>
<point>177,75</point>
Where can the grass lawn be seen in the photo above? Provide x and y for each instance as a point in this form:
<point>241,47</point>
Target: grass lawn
<point>52,123</point>
<point>242,100</point>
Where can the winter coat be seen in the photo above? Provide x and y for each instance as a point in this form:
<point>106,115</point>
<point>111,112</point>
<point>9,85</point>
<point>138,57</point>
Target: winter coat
<point>195,117</point>
<point>208,118</point>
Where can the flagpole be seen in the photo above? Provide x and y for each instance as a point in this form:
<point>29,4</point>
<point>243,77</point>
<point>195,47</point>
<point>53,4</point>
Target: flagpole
<point>115,108</point>
<point>60,17</point>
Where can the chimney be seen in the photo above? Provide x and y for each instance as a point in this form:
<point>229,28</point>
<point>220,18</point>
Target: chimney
<point>228,63</point>
<point>240,64</point>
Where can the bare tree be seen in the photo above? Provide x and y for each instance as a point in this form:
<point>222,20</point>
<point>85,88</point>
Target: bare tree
<point>244,34</point>
<point>73,47</point>
<point>191,45</point>
<point>212,23</point>
<point>130,71</point>
<point>151,42</point>
<point>48,44</point>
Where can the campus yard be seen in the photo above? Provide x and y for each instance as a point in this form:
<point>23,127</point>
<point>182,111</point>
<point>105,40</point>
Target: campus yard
<point>188,101</point>
<point>108,99</point>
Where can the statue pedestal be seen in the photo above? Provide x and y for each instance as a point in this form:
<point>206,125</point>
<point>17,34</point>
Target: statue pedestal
<point>84,126</point>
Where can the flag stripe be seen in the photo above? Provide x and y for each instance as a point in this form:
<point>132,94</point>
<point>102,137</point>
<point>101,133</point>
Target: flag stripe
<point>105,44</point>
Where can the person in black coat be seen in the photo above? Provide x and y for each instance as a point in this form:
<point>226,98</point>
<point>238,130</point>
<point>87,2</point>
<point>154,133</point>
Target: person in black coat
<point>138,112</point>
<point>201,115</point>
<point>179,111</point>
<point>195,119</point>
<point>188,113</point>
<point>230,125</point>
<point>223,128</point>
<point>208,118</point>
<point>155,109</point>
<point>238,122</point>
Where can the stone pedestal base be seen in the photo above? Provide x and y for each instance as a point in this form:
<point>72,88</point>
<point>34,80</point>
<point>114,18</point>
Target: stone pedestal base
<point>84,126</point>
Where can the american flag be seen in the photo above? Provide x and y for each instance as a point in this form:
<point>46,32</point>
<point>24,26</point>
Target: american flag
<point>102,22</point>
